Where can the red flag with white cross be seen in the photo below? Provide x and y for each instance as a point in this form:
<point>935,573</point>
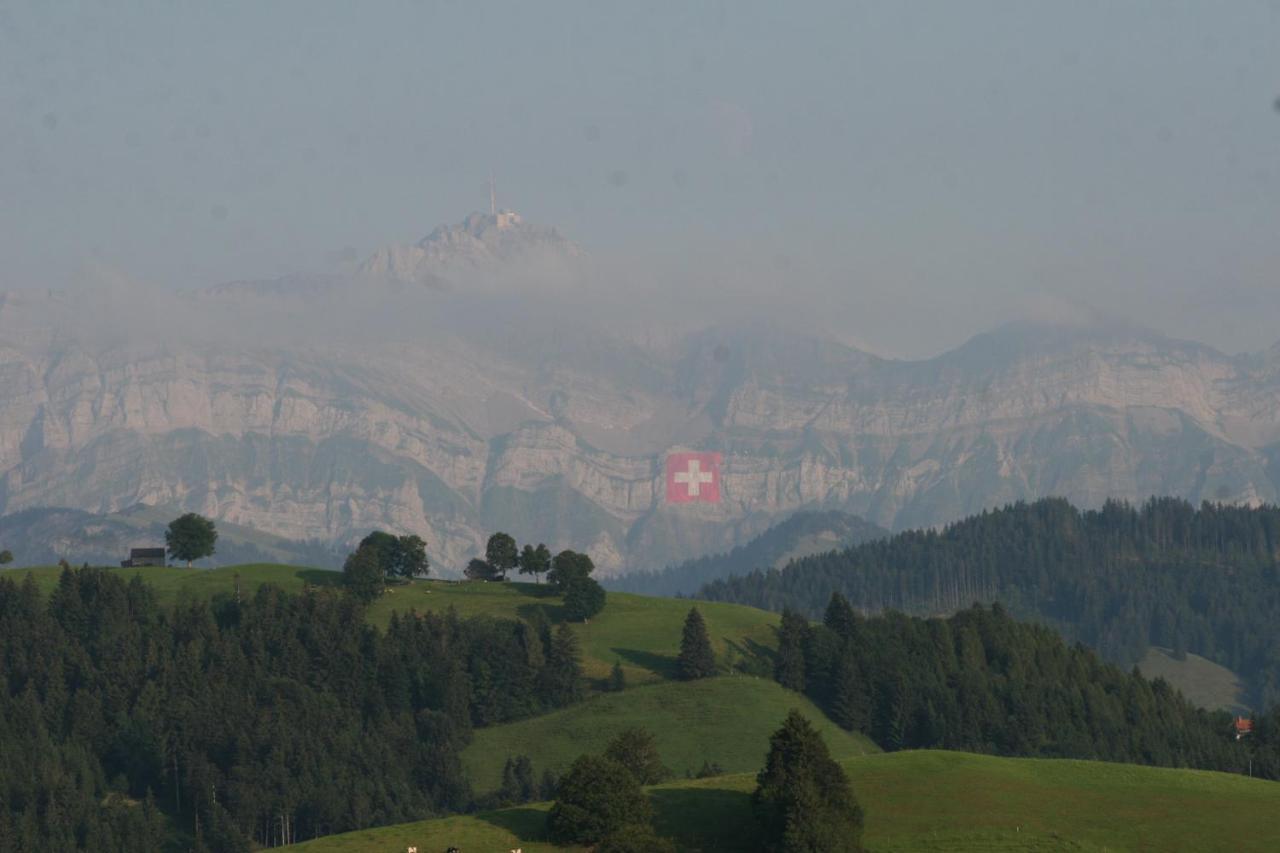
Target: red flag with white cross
<point>693,478</point>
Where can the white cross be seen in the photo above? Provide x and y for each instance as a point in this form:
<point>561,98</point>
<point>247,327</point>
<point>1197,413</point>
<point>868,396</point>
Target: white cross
<point>694,477</point>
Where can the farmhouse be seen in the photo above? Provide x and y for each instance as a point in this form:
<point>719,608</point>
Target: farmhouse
<point>139,557</point>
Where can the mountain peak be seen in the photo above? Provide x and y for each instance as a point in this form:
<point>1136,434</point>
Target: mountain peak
<point>483,242</point>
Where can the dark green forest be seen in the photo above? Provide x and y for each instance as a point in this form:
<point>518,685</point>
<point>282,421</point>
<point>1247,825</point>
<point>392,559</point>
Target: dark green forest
<point>979,681</point>
<point>216,723</point>
<point>1119,579</point>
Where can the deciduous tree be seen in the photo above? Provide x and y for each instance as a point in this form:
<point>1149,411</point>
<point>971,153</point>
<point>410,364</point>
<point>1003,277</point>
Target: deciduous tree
<point>535,561</point>
<point>583,599</point>
<point>501,553</point>
<point>190,537</point>
<point>480,570</point>
<point>567,567</point>
<point>595,799</point>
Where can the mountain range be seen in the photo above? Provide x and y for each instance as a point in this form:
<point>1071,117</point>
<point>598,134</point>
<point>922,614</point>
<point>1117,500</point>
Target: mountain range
<point>448,388</point>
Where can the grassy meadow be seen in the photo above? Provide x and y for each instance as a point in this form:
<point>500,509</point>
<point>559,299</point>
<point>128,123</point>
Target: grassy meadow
<point>1208,684</point>
<point>928,800</point>
<point>725,720</point>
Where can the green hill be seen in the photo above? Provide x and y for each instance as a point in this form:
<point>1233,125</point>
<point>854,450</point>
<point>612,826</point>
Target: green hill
<point>1204,682</point>
<point>641,632</point>
<point>724,720</point>
<point>1120,579</point>
<point>929,800</point>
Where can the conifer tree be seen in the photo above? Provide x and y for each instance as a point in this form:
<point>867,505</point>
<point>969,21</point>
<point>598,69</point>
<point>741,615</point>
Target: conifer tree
<point>789,665</point>
<point>617,678</point>
<point>562,676</point>
<point>696,659</point>
<point>848,695</point>
<point>840,617</point>
<point>363,574</point>
<point>803,800</point>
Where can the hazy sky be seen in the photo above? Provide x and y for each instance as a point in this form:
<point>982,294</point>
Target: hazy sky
<point>926,169</point>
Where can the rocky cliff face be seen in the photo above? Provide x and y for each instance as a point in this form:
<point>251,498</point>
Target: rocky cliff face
<point>559,435</point>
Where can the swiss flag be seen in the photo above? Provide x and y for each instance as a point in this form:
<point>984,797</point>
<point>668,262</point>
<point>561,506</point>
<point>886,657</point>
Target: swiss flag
<point>693,477</point>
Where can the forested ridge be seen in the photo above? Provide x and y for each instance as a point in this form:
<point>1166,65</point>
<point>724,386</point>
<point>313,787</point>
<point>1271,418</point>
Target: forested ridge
<point>980,681</point>
<point>268,719</point>
<point>765,550</point>
<point>215,725</point>
<point>1119,579</point>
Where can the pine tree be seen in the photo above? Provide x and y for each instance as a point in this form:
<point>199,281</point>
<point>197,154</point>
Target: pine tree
<point>840,617</point>
<point>524,778</point>
<point>803,800</point>
<point>363,574</point>
<point>849,697</point>
<point>617,678</point>
<point>789,669</point>
<point>696,659</point>
<point>562,676</point>
<point>509,791</point>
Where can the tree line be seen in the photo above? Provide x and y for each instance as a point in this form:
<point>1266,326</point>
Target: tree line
<point>381,558</point>
<point>980,681</point>
<point>1121,578</point>
<point>246,721</point>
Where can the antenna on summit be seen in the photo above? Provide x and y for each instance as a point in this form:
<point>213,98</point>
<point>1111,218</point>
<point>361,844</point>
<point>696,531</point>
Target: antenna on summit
<point>493,197</point>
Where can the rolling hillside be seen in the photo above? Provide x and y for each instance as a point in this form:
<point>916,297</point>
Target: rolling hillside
<point>930,800</point>
<point>726,721</point>
<point>1204,580</point>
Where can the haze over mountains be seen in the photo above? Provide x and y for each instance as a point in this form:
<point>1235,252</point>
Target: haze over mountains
<point>461,388</point>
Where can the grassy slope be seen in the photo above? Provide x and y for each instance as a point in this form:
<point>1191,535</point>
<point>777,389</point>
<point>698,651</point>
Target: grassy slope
<point>932,800</point>
<point>725,720</point>
<point>641,632</point>
<point>1204,682</point>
